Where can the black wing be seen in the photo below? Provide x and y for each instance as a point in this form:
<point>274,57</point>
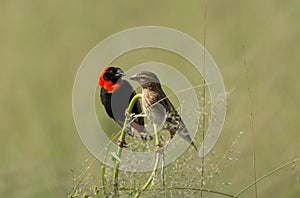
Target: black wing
<point>137,108</point>
<point>106,101</point>
<point>116,103</point>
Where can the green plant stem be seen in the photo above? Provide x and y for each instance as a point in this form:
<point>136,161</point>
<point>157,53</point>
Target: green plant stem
<point>147,184</point>
<point>265,176</point>
<point>203,104</point>
<point>163,163</point>
<point>104,169</point>
<point>154,171</point>
<point>122,139</point>
<point>204,190</point>
<point>251,123</point>
<point>192,189</point>
<point>103,180</point>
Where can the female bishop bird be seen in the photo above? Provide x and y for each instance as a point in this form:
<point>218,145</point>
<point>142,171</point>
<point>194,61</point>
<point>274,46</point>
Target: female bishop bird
<point>158,107</point>
<point>115,95</point>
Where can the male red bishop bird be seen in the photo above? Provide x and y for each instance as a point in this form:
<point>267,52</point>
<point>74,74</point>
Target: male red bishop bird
<point>115,95</point>
<point>159,108</point>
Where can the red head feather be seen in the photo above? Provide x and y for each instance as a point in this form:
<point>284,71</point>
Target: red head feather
<point>109,86</point>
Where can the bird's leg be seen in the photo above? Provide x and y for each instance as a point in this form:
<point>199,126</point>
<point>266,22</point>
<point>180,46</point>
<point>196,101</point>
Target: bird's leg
<point>145,136</point>
<point>159,146</point>
<point>134,118</point>
<point>133,115</point>
<point>140,116</point>
<point>127,128</point>
<point>129,115</point>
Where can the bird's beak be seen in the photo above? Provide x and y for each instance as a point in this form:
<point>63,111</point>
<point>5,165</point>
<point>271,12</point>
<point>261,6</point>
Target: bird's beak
<point>134,77</point>
<point>120,73</point>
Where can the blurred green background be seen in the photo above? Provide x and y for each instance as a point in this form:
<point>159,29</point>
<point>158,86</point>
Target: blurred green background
<point>42,44</point>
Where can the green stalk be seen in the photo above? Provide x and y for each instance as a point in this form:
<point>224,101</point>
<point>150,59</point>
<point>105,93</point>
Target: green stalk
<point>163,163</point>
<point>104,169</point>
<point>154,171</point>
<point>122,139</point>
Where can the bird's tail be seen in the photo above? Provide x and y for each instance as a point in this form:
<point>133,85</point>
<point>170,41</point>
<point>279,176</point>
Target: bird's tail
<point>184,133</point>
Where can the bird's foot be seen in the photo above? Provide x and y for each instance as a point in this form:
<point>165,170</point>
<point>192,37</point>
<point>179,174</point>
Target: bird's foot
<point>127,113</point>
<point>145,136</point>
<point>129,131</point>
<point>130,116</point>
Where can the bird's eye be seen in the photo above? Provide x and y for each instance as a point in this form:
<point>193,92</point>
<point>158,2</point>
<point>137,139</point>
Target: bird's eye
<point>109,72</point>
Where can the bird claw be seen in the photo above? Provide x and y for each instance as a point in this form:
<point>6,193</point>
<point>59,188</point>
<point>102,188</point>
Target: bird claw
<point>129,115</point>
<point>129,131</point>
<point>146,136</point>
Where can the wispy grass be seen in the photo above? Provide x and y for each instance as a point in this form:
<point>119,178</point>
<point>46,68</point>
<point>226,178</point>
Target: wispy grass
<point>165,187</point>
<point>104,183</point>
<point>251,121</point>
<point>266,176</point>
<point>203,102</point>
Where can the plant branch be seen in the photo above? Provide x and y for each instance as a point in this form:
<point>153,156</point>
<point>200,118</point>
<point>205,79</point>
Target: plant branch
<point>122,139</point>
<point>154,171</point>
<point>251,122</point>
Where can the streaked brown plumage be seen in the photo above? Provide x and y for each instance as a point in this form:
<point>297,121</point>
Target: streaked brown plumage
<point>158,107</point>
